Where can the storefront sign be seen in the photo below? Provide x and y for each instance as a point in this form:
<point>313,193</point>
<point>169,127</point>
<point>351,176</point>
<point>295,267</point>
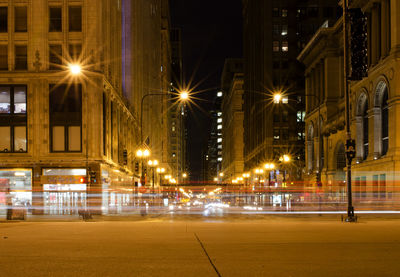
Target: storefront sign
<point>60,179</point>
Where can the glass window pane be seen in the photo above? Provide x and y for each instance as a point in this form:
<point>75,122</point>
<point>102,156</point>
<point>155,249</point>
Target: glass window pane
<point>5,104</point>
<point>5,139</point>
<point>55,56</point>
<point>3,20</point>
<point>58,138</point>
<point>75,18</point>
<point>55,22</point>
<point>74,138</point>
<point>3,57</point>
<point>21,58</point>
<point>21,19</point>
<point>75,51</point>
<point>20,139</point>
<point>20,100</point>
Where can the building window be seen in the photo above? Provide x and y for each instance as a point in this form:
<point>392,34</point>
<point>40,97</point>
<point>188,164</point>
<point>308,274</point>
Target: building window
<point>285,134</point>
<point>285,46</point>
<point>276,117</point>
<point>365,130</point>
<point>276,134</point>
<point>55,19</point>
<point>285,116</point>
<point>75,51</point>
<point>284,12</point>
<point>275,46</point>
<point>21,19</point>
<point>3,57</point>
<point>3,20</point>
<point>21,59</point>
<point>55,57</point>
<point>300,116</point>
<point>300,136</point>
<point>66,118</point>
<point>276,29</point>
<point>285,99</point>
<point>13,118</point>
<point>275,12</point>
<point>284,30</point>
<point>75,18</point>
<point>385,123</point>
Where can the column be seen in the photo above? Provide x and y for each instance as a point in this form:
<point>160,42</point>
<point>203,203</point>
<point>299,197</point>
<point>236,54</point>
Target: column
<point>377,130</point>
<point>385,28</point>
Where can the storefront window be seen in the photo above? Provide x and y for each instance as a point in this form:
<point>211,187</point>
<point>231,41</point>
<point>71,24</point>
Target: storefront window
<point>16,184</point>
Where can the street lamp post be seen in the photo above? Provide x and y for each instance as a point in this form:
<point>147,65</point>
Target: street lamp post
<point>350,144</point>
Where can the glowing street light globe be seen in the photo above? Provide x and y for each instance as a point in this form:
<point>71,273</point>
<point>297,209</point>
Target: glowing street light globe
<point>184,95</point>
<point>139,153</point>
<point>277,98</point>
<point>146,153</point>
<point>75,69</point>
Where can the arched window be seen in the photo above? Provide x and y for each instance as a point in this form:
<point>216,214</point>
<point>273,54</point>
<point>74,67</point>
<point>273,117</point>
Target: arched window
<point>385,122</point>
<point>365,130</point>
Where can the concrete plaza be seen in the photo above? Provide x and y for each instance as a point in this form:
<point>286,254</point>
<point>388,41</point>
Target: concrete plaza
<point>266,246</point>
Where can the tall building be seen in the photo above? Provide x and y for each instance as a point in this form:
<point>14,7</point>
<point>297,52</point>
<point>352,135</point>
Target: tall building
<point>213,157</point>
<point>374,103</point>
<point>65,131</point>
<point>232,119</point>
<point>177,112</point>
<point>274,33</point>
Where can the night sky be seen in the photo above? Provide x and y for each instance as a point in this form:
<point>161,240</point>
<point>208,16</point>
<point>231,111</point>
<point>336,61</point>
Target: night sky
<point>211,32</point>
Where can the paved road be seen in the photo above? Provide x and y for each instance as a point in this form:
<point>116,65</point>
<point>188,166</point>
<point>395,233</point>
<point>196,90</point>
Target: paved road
<point>271,246</point>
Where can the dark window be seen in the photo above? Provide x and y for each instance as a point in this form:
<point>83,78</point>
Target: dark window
<point>365,130</point>
<point>55,57</point>
<point>21,60</point>
<point>285,134</point>
<point>65,118</point>
<point>3,57</point>
<point>13,118</point>
<point>104,123</point>
<point>75,18</point>
<point>55,19</point>
<point>75,51</point>
<point>275,12</point>
<point>328,12</point>
<point>285,116</point>
<point>21,19</point>
<point>276,30</point>
<point>3,20</point>
<point>275,64</point>
<point>276,117</point>
<point>385,123</point>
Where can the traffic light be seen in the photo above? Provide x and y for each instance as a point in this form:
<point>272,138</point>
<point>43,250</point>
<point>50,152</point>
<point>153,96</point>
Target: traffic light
<point>358,45</point>
<point>92,175</point>
<point>82,180</point>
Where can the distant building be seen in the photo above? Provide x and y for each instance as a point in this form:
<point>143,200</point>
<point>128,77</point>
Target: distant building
<point>274,33</point>
<point>374,105</point>
<point>177,112</point>
<point>213,155</point>
<point>232,119</point>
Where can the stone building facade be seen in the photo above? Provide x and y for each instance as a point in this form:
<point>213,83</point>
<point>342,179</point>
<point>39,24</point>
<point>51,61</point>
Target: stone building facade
<point>374,108</point>
<point>65,137</point>
<point>232,118</point>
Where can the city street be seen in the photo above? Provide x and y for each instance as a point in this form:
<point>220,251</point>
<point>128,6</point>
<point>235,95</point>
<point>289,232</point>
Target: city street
<point>193,246</point>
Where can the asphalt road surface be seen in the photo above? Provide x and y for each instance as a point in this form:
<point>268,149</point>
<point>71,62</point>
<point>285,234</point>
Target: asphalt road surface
<point>267,246</point>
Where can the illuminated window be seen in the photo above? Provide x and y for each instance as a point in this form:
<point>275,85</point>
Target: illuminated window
<point>284,30</point>
<point>284,12</point>
<point>219,94</point>
<point>220,159</point>
<point>276,134</point>
<point>13,119</point>
<point>300,116</point>
<point>285,46</point>
<point>219,140</point>
<point>285,100</point>
<point>219,127</point>
<point>219,120</point>
<point>219,114</point>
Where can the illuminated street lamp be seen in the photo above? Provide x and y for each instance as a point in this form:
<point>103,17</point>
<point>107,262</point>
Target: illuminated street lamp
<point>75,69</point>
